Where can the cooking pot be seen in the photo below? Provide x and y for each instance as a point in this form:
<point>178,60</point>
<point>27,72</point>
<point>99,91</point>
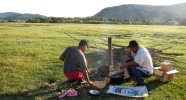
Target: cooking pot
<point>116,78</point>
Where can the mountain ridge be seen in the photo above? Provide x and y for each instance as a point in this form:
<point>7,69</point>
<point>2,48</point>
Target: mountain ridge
<point>18,16</point>
<point>122,11</point>
<point>146,11</point>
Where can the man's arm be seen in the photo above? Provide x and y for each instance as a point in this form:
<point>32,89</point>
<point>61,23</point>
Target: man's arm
<point>84,69</point>
<point>85,74</point>
<point>132,63</point>
<point>62,57</point>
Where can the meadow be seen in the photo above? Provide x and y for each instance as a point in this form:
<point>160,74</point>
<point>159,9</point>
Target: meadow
<point>29,58</point>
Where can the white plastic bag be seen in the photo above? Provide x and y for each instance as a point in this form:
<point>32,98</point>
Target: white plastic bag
<point>138,91</point>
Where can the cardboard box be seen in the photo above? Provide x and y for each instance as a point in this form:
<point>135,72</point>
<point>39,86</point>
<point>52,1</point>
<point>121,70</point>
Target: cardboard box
<point>158,77</point>
<point>158,72</point>
<point>166,66</point>
<point>166,76</point>
<point>165,72</point>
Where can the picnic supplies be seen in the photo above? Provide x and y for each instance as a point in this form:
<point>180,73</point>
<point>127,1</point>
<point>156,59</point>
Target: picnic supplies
<point>70,92</point>
<point>138,91</point>
<point>165,72</point>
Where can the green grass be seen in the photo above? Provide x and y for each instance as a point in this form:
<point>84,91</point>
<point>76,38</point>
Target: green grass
<point>29,57</point>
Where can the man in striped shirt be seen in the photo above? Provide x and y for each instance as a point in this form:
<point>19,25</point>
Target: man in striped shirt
<point>139,64</point>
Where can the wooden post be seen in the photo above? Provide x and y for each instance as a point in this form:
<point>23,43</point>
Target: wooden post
<point>110,51</point>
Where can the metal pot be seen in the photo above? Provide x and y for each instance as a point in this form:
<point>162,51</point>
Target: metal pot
<point>117,79</point>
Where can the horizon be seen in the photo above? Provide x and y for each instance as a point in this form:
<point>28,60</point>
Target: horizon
<point>71,8</point>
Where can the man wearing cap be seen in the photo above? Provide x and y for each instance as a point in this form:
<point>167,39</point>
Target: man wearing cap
<point>75,63</point>
<point>139,64</point>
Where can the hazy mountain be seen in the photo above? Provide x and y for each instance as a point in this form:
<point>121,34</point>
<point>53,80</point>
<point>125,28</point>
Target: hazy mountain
<point>18,16</point>
<point>146,11</point>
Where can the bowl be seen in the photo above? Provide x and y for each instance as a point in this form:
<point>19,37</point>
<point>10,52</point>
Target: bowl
<point>94,92</point>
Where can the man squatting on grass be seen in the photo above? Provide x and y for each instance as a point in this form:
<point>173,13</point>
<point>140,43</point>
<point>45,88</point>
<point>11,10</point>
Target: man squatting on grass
<point>75,63</point>
<point>139,64</point>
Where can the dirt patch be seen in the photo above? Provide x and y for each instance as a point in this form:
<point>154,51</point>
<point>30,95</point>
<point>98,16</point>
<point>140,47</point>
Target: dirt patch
<point>98,59</point>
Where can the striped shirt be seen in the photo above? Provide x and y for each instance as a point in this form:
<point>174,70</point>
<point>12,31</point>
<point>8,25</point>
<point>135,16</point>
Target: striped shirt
<point>143,58</point>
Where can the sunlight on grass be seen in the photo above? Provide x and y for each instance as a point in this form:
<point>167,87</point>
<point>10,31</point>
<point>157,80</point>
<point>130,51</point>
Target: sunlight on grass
<point>29,56</point>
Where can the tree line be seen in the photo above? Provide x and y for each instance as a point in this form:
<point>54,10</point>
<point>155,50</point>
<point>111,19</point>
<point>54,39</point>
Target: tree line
<point>110,20</point>
<point>105,20</point>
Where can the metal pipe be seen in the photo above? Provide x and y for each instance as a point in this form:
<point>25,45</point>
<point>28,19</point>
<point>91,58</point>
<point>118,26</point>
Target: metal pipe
<point>110,51</point>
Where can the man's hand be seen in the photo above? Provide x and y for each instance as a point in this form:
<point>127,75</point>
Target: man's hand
<point>90,83</point>
<point>85,74</point>
<point>129,55</point>
<point>123,66</point>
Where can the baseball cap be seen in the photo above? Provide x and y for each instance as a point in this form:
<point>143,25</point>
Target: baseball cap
<point>132,43</point>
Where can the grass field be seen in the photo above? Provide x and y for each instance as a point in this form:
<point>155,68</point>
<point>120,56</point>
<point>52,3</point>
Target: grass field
<point>29,58</point>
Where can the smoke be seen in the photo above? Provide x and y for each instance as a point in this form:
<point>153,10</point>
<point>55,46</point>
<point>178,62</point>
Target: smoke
<point>101,52</point>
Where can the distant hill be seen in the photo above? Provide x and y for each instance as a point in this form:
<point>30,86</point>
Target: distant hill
<point>18,16</point>
<point>146,11</point>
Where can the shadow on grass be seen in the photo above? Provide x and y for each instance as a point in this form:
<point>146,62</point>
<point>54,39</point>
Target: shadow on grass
<point>51,94</point>
<point>44,92</point>
<point>151,85</point>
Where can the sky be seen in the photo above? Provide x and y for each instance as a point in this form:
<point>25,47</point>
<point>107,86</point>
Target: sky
<point>71,8</point>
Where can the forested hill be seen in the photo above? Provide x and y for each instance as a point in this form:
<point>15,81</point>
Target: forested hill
<point>145,11</point>
<point>18,16</point>
<point>123,14</point>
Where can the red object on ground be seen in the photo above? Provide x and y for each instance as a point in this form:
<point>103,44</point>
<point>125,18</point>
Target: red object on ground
<point>74,75</point>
